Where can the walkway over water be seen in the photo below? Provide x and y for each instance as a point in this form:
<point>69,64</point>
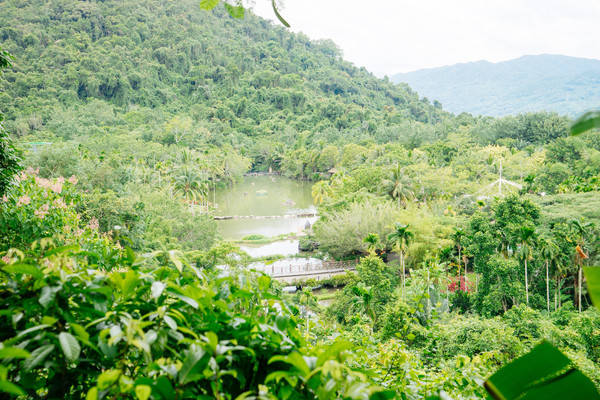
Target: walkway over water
<point>292,270</point>
<point>300,215</point>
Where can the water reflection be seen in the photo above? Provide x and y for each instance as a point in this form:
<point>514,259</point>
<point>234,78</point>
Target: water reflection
<point>281,247</point>
<point>265,196</point>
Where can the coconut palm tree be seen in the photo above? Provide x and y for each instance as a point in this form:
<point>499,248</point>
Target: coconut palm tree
<point>190,185</point>
<point>549,251</point>
<point>527,241</point>
<point>581,231</point>
<point>458,237</point>
<point>399,186</point>
<point>400,239</point>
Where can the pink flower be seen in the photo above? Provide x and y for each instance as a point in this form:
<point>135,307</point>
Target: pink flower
<point>42,211</point>
<point>93,224</point>
<point>42,182</point>
<point>56,187</point>
<point>23,200</point>
<point>60,180</point>
<point>73,180</point>
<point>4,199</point>
<point>59,203</point>
<point>78,232</point>
<point>31,171</point>
<point>6,259</point>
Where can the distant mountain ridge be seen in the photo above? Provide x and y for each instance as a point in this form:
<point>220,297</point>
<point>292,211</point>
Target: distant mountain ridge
<point>567,85</point>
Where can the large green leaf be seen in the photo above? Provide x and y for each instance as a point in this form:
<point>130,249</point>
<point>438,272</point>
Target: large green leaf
<point>38,356</point>
<point>208,4</point>
<point>70,346</point>
<point>24,269</point>
<point>13,352</point>
<point>188,372</point>
<point>586,122</point>
<point>294,359</point>
<point>143,392</point>
<point>543,373</point>
<point>48,295</point>
<point>235,11</point>
<point>279,17</point>
<point>63,250</point>
<point>164,387</point>
<point>8,387</point>
<point>592,276</point>
<point>107,378</point>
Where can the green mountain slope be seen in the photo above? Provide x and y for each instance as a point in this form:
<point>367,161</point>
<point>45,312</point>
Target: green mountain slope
<point>81,60</point>
<point>566,85</point>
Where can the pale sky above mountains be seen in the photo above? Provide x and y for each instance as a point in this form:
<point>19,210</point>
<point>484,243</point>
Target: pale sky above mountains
<point>391,36</point>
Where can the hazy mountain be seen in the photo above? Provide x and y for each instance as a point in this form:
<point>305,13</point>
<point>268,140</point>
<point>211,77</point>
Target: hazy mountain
<point>567,85</point>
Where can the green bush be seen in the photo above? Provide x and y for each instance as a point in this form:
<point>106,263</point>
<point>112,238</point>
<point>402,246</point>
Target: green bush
<point>307,244</point>
<point>254,237</point>
<point>471,335</point>
<point>157,330</point>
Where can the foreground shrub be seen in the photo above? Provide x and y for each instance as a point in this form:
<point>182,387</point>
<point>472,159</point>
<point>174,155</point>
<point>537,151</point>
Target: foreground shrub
<point>35,208</point>
<point>157,330</point>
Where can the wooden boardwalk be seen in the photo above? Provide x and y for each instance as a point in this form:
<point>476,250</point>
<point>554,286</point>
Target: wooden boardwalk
<point>298,272</point>
<point>316,275</point>
<point>301,215</point>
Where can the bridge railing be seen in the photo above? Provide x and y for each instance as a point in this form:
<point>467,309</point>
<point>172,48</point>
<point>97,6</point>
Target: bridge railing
<point>308,268</point>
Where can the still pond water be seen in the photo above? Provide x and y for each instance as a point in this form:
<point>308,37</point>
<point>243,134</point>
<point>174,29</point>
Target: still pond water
<point>260,196</point>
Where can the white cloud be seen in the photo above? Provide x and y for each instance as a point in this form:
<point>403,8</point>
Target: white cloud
<point>390,36</point>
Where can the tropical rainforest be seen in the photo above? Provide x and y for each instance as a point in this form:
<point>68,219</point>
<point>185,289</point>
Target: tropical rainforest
<point>468,235</point>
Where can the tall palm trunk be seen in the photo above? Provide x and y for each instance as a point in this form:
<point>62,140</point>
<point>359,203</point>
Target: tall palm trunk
<point>556,295</point>
<point>579,279</point>
<point>547,287</point>
<point>466,281</point>
<point>403,272</point>
<point>526,284</point>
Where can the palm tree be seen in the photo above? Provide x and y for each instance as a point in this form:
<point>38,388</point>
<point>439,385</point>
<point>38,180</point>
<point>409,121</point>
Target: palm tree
<point>400,239</point>
<point>526,240</point>
<point>581,230</point>
<point>549,250</point>
<point>398,186</point>
<point>364,299</point>
<point>372,241</point>
<point>320,191</point>
<point>458,237</point>
<point>190,185</point>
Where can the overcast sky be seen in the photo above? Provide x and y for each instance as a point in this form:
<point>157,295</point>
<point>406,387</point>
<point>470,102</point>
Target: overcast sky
<point>390,36</point>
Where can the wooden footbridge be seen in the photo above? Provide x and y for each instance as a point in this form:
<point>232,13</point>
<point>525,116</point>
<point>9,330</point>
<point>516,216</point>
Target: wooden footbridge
<point>311,269</point>
<point>300,215</point>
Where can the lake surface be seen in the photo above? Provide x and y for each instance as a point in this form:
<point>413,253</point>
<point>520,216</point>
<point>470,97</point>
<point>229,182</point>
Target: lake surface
<point>265,196</point>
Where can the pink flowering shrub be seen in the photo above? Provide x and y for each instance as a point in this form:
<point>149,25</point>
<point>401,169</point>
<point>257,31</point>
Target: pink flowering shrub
<point>37,208</point>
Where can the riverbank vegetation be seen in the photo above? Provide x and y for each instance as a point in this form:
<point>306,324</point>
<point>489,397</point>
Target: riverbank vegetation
<point>470,232</point>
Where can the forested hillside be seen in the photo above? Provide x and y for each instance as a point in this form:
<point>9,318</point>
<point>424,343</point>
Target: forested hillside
<point>567,85</point>
<point>148,62</point>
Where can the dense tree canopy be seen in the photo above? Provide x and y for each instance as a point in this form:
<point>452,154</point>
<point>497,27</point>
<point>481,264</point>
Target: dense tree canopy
<point>467,234</point>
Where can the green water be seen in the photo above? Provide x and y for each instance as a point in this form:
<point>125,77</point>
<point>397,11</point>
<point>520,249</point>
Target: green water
<point>264,196</point>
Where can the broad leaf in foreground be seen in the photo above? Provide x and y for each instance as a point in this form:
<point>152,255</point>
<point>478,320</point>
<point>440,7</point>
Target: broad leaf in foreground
<point>592,276</point>
<point>586,122</point>
<point>543,373</point>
